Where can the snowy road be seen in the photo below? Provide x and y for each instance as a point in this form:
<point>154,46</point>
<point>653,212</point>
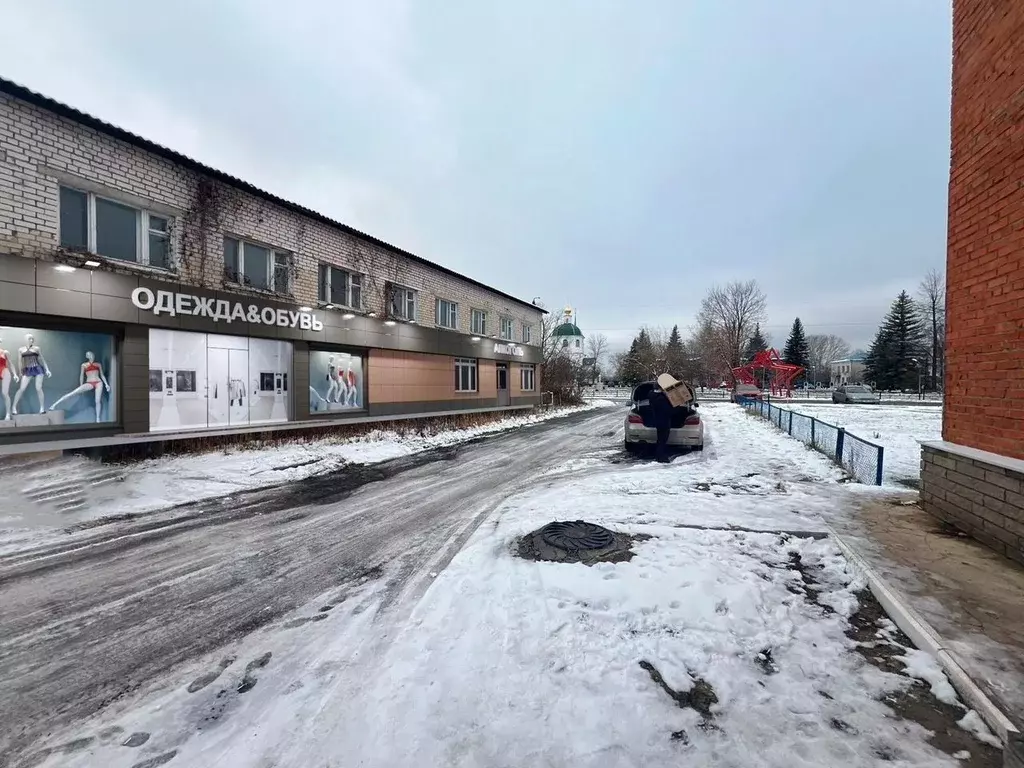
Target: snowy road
<point>87,627</point>
<point>380,619</point>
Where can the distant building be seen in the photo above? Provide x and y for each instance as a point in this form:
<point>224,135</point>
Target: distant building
<point>568,336</point>
<point>849,370</point>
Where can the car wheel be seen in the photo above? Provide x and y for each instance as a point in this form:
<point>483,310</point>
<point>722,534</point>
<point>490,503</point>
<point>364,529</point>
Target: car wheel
<point>699,447</point>
<point>630,447</point>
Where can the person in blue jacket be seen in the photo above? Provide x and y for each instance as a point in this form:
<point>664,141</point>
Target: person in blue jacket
<point>661,412</point>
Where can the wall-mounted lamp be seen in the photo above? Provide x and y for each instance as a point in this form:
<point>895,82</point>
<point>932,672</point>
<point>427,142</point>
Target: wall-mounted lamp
<point>474,338</point>
<point>347,316</point>
<point>92,263</point>
<point>305,309</point>
<point>389,323</point>
<point>64,268</point>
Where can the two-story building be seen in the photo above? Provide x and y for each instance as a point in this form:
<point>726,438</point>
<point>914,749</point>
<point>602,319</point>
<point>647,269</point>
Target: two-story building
<point>143,292</point>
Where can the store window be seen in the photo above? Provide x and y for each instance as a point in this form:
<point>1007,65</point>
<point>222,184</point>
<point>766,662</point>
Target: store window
<point>478,322</point>
<point>465,375</point>
<point>506,328</point>
<point>56,378</point>
<point>341,288</point>
<point>256,266</point>
<point>110,228</point>
<point>528,378</point>
<point>336,381</point>
<point>200,380</point>
<point>447,314</point>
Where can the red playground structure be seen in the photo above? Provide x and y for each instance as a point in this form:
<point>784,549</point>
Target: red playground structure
<point>774,373</point>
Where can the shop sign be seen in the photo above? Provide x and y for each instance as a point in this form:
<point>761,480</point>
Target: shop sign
<point>172,303</point>
<point>509,349</point>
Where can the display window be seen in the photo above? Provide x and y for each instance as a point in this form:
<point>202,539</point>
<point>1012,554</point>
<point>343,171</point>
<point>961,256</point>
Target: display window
<point>199,380</point>
<point>336,381</point>
<point>53,378</point>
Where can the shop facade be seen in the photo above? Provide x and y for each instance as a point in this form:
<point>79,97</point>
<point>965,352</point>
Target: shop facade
<point>124,311</point>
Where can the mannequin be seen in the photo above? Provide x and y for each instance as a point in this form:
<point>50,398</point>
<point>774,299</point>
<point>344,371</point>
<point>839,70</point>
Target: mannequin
<point>7,374</point>
<point>350,386</point>
<point>90,378</point>
<point>333,388</point>
<point>33,367</point>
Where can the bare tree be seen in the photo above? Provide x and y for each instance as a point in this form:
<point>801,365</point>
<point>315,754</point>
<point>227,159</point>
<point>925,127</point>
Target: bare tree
<point>932,297</point>
<point>730,313</point>
<point>548,343</point>
<point>597,348</point>
<point>823,349</point>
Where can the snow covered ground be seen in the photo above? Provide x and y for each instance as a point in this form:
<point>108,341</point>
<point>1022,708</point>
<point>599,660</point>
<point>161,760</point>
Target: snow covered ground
<point>721,642</point>
<point>157,484</point>
<point>899,428</point>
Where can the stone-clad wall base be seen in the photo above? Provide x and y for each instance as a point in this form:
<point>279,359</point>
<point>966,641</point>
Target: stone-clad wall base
<point>980,494</point>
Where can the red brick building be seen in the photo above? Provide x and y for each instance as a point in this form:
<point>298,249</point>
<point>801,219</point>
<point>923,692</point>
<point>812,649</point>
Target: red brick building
<point>974,477</point>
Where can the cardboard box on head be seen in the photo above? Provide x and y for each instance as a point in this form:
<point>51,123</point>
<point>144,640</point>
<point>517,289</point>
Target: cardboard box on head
<point>678,393</point>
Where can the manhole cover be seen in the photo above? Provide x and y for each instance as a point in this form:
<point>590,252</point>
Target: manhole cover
<point>576,535</point>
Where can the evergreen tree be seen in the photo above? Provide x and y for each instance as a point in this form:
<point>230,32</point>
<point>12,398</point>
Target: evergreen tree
<point>755,344</point>
<point>675,354</point>
<point>797,351</point>
<point>636,365</point>
<point>896,358</point>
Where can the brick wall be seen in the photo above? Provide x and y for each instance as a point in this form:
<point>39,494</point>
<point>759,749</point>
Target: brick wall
<point>981,499</point>
<point>40,150</point>
<point>984,406</point>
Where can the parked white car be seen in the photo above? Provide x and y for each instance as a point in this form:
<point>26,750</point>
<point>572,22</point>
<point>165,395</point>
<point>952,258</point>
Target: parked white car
<point>854,394</point>
<point>687,428</point>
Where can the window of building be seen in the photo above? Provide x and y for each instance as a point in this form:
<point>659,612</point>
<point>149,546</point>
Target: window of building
<point>506,328</point>
<point>527,333</point>
<point>565,343</point>
<point>256,266</point>
<point>341,288</point>
<point>528,378</point>
<point>577,343</point>
<point>447,314</point>
<point>478,322</point>
<point>403,302</point>
<point>90,222</point>
<point>465,374</point>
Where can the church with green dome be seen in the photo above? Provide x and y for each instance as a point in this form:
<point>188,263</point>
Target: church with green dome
<point>568,336</point>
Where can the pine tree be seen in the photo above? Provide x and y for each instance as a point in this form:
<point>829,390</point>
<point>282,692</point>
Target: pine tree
<point>896,358</point>
<point>756,344</point>
<point>797,351</point>
<point>675,354</point>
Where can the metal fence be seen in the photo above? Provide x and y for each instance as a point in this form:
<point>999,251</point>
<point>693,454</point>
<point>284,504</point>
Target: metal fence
<point>861,458</point>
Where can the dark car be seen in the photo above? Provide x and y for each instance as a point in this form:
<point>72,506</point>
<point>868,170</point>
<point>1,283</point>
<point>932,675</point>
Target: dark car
<point>687,428</point>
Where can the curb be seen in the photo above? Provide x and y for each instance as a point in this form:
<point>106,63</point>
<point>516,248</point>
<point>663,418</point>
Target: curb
<point>924,636</point>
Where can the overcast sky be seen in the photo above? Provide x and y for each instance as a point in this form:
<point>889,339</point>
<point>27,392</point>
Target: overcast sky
<point>618,156</point>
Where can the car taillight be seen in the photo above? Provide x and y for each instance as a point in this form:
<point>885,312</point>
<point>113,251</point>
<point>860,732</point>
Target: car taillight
<point>635,418</point>
<point>692,421</point>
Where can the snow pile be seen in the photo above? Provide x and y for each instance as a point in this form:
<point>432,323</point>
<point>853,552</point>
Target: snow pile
<point>156,484</point>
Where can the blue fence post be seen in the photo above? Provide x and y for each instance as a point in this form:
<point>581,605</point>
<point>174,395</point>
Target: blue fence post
<point>878,472</point>
<point>813,444</point>
<point>790,423</point>
<point>840,436</point>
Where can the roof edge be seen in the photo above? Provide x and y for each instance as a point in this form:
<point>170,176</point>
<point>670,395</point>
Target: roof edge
<point>29,96</point>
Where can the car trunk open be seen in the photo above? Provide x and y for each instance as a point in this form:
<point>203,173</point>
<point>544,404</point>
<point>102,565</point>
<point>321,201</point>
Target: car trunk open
<point>642,406</point>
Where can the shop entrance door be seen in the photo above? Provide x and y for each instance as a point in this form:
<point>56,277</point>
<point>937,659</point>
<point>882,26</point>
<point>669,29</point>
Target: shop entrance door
<point>504,398</point>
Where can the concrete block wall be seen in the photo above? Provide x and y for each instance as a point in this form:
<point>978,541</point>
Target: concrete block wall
<point>984,500</point>
<point>40,150</point>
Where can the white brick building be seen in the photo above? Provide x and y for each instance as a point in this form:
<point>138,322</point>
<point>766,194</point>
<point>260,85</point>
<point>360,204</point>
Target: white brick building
<point>91,215</point>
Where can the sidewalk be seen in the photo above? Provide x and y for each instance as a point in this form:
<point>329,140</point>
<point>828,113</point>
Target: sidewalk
<point>972,597</point>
